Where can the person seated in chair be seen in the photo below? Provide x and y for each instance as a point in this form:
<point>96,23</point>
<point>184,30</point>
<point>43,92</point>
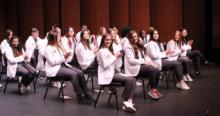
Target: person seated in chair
<point>107,58</point>
<point>161,57</point>
<point>194,54</point>
<point>138,65</point>
<point>86,52</point>
<point>179,54</point>
<point>56,68</point>
<point>16,64</point>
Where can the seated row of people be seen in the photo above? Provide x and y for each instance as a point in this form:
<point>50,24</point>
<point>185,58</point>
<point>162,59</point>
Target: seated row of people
<point>68,57</point>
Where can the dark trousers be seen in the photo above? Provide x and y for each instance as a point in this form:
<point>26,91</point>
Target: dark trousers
<point>27,72</point>
<point>151,72</point>
<point>186,63</point>
<point>128,82</point>
<point>77,78</point>
<point>173,66</point>
<point>196,56</point>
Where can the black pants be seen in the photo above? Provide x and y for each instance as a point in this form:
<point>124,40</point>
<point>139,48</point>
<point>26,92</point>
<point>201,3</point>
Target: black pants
<point>151,72</point>
<point>27,72</point>
<point>173,66</point>
<point>129,82</point>
<point>186,63</point>
<point>196,56</point>
<point>77,78</point>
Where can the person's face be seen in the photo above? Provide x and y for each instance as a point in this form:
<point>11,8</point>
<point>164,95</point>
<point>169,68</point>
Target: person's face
<point>86,35</point>
<point>155,35</point>
<point>71,32</point>
<point>113,34</point>
<point>177,36</point>
<point>103,31</point>
<point>84,28</point>
<point>184,33</point>
<point>143,34</point>
<point>15,42</point>
<point>108,41</point>
<point>115,29</point>
<point>10,35</point>
<point>34,34</point>
<point>134,38</point>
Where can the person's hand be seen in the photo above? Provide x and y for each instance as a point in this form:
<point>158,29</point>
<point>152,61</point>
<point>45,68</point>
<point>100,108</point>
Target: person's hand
<point>190,42</point>
<point>95,49</point>
<point>66,55</point>
<point>118,54</point>
<point>169,53</point>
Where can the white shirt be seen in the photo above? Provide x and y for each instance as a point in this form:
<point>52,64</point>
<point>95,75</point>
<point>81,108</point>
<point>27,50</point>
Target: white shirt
<point>155,54</point>
<point>30,45</point>
<point>4,46</point>
<point>67,48</point>
<point>172,46</point>
<point>106,66</point>
<point>42,45</point>
<point>132,65</point>
<point>12,62</point>
<point>85,56</point>
<point>54,59</point>
<point>117,48</point>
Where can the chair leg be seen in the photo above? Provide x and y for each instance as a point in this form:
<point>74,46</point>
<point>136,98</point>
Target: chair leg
<point>61,91</point>
<point>110,96</point>
<point>3,69</point>
<point>116,99</point>
<point>143,85</point>
<point>35,81</point>
<point>92,83</point>
<point>48,85</point>
<point>100,90</point>
<point>167,80</point>
<point>174,79</point>
<point>6,84</point>
<point>87,80</point>
<point>34,86</point>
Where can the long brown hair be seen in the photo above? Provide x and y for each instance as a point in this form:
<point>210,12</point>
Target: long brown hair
<point>103,42</point>
<point>85,42</point>
<point>17,51</point>
<point>137,46</point>
<point>179,42</point>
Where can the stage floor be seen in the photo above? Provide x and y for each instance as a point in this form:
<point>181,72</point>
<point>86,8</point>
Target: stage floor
<point>203,99</point>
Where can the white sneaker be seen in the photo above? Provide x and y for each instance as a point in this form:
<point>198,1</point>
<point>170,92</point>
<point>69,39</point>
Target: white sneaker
<point>128,107</point>
<point>66,97</point>
<point>22,89</point>
<point>138,84</point>
<point>28,88</point>
<point>58,85</point>
<point>189,78</point>
<point>1,85</point>
<point>184,78</point>
<point>19,79</point>
<point>182,85</point>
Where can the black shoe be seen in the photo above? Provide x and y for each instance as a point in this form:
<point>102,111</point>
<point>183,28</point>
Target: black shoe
<point>209,63</point>
<point>90,98</point>
<point>84,101</point>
